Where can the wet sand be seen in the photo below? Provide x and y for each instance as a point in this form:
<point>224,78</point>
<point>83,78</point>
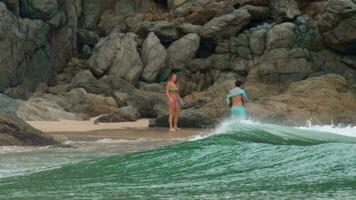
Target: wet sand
<point>88,131</point>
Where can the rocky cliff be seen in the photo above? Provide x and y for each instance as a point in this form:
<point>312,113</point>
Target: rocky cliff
<point>83,58</point>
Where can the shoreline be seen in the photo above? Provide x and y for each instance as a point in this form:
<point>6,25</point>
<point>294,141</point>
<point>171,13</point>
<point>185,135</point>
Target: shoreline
<point>64,130</point>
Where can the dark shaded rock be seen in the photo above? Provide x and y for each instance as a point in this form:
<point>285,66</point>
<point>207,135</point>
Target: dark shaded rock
<point>91,12</point>
<point>110,20</point>
<point>164,30</point>
<point>87,37</point>
<point>86,52</point>
<point>338,25</point>
<point>178,59</point>
<point>226,25</point>
<point>14,131</point>
<point>200,64</point>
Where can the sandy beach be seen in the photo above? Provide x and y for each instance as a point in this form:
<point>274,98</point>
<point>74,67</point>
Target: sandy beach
<point>63,130</point>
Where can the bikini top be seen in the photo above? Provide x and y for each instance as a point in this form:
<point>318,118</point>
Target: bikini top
<point>173,89</point>
<point>236,92</point>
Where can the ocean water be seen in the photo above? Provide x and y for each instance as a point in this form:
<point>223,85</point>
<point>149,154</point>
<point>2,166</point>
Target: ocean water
<point>247,160</point>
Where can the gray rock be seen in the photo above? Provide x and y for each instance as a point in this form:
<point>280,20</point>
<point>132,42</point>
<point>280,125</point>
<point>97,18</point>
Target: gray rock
<point>87,37</point>
<point>123,114</point>
<point>281,36</point>
<point>287,9</point>
<point>338,25</point>
<point>182,51</point>
<point>121,98</point>
<point>200,64</point>
<point>40,9</point>
<point>30,60</point>
<point>186,28</point>
<point>91,12</point>
<point>80,102</point>
<point>165,31</point>
<point>110,20</point>
<point>153,56</point>
<point>117,55</point>
<point>86,52</point>
<point>258,12</point>
<point>220,61</point>
<point>257,42</point>
<point>226,25</point>
<point>283,65</point>
<point>15,131</point>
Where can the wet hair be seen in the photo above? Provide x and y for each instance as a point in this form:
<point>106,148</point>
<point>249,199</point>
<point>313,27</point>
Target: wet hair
<point>238,83</point>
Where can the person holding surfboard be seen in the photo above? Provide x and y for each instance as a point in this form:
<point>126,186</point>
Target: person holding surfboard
<point>174,102</point>
<point>236,99</point>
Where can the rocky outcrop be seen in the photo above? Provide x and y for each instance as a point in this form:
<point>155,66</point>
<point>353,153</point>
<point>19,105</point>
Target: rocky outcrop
<point>153,56</point>
<point>287,9</point>
<point>322,100</point>
<point>123,114</point>
<point>117,55</point>
<point>225,26</point>
<point>14,131</point>
<point>177,59</point>
<point>338,25</point>
<point>79,59</point>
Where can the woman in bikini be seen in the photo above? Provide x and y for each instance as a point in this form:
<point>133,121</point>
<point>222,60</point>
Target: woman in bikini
<point>173,101</point>
<point>236,99</point>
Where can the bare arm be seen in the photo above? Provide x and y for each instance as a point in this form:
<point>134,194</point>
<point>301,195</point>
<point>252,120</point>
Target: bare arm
<point>167,92</point>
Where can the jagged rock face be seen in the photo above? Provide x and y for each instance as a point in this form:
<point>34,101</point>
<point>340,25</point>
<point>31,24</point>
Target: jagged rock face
<point>324,104</point>
<point>20,38</point>
<point>338,25</point>
<point>284,8</point>
<point>35,55</point>
<point>178,59</point>
<point>125,50</point>
<point>225,26</point>
<point>153,56</point>
<point>117,55</point>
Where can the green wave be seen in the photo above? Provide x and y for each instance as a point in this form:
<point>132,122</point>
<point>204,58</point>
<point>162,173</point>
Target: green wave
<point>241,162</point>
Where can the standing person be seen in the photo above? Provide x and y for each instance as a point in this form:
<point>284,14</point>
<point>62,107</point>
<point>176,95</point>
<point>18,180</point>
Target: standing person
<point>236,99</point>
<point>173,101</point>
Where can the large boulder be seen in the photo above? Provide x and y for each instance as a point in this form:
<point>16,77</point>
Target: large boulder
<point>281,36</point>
<point>40,109</point>
<point>117,55</point>
<point>16,66</point>
<point>182,51</point>
<point>47,10</point>
<point>284,65</point>
<point>338,25</point>
<point>153,56</point>
<point>226,25</point>
<point>322,100</point>
<point>91,12</point>
<point>82,103</point>
<point>14,131</point>
<point>284,9</point>
<point>166,31</point>
<point>123,114</point>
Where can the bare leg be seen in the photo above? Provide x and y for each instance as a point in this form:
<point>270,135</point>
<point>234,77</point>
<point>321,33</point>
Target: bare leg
<point>171,116</point>
<point>176,117</point>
